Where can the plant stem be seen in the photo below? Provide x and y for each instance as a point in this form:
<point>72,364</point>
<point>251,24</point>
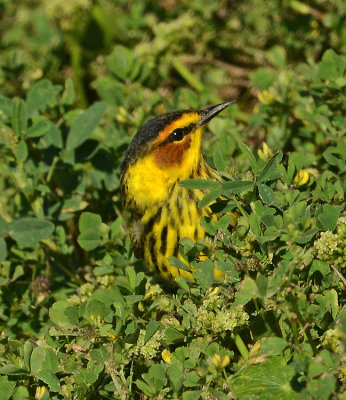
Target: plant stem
<point>241,346</point>
<point>112,372</point>
<point>240,208</point>
<point>187,75</point>
<point>51,169</point>
<point>339,274</point>
<point>75,51</point>
<point>60,261</point>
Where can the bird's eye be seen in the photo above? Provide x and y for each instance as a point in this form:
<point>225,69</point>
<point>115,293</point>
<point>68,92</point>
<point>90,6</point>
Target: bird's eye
<point>177,135</point>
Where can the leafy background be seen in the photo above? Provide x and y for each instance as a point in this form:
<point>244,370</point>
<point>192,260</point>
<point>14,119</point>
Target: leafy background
<point>80,316</point>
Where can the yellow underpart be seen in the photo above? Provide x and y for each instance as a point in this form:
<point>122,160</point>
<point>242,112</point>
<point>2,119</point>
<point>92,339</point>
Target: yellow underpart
<point>179,224</point>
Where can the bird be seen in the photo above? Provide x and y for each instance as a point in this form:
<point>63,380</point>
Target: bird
<point>166,150</point>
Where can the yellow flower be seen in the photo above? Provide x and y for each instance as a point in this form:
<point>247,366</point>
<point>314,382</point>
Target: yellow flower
<point>214,292</point>
<point>122,115</point>
<point>265,97</point>
<point>265,153</point>
<point>40,391</point>
<point>111,336</point>
<point>220,363</point>
<point>166,356</point>
<point>301,178</point>
<point>255,349</point>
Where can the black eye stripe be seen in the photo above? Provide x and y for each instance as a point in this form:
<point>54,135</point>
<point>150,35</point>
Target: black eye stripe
<point>178,134</point>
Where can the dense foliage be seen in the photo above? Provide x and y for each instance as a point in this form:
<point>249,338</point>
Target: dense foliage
<point>80,316</point>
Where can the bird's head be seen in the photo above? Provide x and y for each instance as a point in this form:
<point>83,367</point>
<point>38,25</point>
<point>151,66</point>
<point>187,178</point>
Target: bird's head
<point>165,150</point>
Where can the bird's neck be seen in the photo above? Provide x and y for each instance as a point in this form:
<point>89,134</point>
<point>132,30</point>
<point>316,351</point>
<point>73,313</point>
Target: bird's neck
<point>145,185</point>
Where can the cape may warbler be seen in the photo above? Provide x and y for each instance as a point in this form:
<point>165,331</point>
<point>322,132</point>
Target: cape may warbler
<point>166,150</point>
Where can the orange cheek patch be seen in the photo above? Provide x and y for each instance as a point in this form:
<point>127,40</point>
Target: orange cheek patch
<point>171,154</point>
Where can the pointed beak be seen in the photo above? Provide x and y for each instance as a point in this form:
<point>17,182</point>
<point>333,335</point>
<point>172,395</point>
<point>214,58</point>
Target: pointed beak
<point>209,113</point>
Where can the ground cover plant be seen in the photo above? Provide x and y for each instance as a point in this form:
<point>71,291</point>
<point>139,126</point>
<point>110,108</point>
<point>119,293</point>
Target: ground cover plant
<point>80,316</point>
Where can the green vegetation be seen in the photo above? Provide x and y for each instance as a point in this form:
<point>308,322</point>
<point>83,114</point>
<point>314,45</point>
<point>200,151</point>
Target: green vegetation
<point>80,316</point>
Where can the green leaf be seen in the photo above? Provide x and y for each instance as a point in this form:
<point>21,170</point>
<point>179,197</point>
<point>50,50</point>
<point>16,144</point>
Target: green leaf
<point>266,193</point>
<point>316,369</point>
<point>204,274</point>
<point>209,225</point>
<point>276,56</point>
<point>148,390</point>
<point>3,250</point>
<point>19,116</point>
<point>27,349</point>
<point>175,373</point>
<point>95,309</point>
<point>89,240</point>
<point>202,184</point>
<point>120,62</point>
<point>20,393</point>
<point>3,227</point>
<point>332,66</point>
<point>109,90</point>
<point>248,290</point>
<point>328,301</point>
<point>88,221</point>
<point>18,272</point>
<point>30,230</point>
<point>272,346</point>
<point>6,106</point>
<point>262,78</point>
<point>92,372</point>
<point>63,314</point>
<point>192,395</point>
<point>84,125</point>
<point>322,387</point>
<point>52,138</point>
<point>22,151</point>
<point>245,149</point>
<point>6,388</point>
<point>40,95</point>
<point>209,197</point>
<point>270,171</point>
<point>236,187</point>
<point>305,237</point>
<point>157,376</point>
<point>152,327</point>
<point>68,95</point>
<point>178,263</point>
<point>218,160</point>
<point>172,336</point>
<point>255,224</point>
<point>11,369</point>
<point>320,266</point>
<point>101,355</point>
<point>327,217</point>
<point>37,359</point>
<point>268,381</point>
<point>224,221</point>
<point>90,226</point>
<point>50,361</point>
<point>192,379</point>
<point>182,283</point>
<point>269,234</point>
<point>131,276</point>
<point>50,379</point>
<point>39,128</point>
